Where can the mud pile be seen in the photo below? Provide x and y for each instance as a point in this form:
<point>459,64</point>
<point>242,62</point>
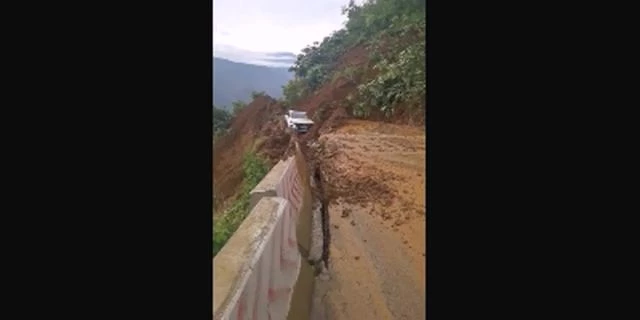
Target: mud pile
<point>374,186</point>
<point>348,177</point>
<point>366,162</point>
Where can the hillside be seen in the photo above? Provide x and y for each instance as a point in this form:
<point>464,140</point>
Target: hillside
<point>364,86</point>
<point>373,69</point>
<point>234,81</point>
<point>258,127</point>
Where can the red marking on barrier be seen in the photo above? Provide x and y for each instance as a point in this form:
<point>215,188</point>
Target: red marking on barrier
<point>286,264</point>
<point>295,195</point>
<point>291,192</point>
<point>258,290</point>
<point>241,308</point>
<point>295,181</point>
<point>292,195</point>
<point>271,294</point>
<point>275,294</point>
<point>296,176</point>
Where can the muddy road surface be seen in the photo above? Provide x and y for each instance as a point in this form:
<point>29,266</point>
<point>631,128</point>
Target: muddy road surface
<point>374,179</point>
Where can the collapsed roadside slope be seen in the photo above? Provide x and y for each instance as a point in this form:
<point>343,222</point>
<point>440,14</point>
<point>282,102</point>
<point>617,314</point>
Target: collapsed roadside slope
<point>373,176</point>
<point>257,127</point>
<point>372,171</point>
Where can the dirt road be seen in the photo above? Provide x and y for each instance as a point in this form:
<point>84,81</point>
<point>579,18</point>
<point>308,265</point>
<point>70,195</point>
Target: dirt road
<point>374,181</point>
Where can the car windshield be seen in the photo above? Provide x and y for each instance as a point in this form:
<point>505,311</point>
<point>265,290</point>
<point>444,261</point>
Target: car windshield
<point>298,115</point>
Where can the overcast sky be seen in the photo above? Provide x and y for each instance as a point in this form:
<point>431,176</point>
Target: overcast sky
<point>248,30</point>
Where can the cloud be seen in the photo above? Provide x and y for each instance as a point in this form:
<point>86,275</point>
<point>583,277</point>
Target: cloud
<point>272,59</point>
<point>283,55</point>
<point>275,25</point>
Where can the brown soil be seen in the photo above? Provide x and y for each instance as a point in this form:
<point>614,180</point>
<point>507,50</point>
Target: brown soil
<point>258,127</point>
<point>328,106</point>
<point>375,185</point>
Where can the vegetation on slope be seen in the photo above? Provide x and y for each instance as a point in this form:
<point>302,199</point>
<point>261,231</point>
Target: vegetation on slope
<point>393,31</point>
<point>254,169</point>
<point>222,117</point>
<point>221,121</point>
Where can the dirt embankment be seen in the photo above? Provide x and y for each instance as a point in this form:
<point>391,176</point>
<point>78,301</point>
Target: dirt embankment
<point>328,106</point>
<point>258,127</point>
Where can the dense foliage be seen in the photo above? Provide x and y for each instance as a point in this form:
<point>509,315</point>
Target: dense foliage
<point>254,169</point>
<point>256,94</point>
<point>221,120</point>
<point>238,105</point>
<point>393,31</point>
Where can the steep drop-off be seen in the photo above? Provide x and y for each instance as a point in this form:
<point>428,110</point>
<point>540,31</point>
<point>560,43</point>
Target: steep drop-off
<point>258,127</point>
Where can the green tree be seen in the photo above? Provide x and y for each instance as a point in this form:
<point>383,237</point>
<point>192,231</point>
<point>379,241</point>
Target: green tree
<point>255,94</point>
<point>237,106</point>
<point>221,119</point>
<point>393,31</point>
<point>293,91</point>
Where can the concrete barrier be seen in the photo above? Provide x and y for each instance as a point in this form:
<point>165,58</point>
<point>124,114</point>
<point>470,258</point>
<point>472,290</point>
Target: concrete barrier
<point>262,273</point>
<point>267,186</point>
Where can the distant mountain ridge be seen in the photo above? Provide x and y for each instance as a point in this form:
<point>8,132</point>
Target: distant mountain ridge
<point>234,81</point>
